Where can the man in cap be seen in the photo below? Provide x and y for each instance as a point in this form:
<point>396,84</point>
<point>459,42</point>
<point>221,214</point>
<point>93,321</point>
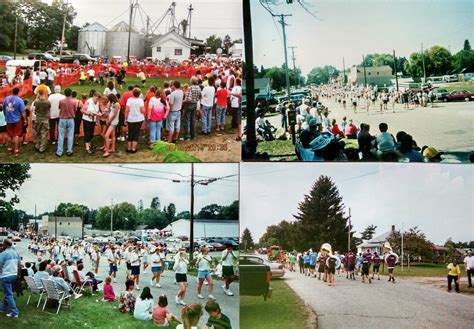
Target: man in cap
<point>9,264</point>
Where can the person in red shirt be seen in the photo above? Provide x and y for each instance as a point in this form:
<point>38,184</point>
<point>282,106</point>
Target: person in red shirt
<point>335,130</point>
<point>221,105</point>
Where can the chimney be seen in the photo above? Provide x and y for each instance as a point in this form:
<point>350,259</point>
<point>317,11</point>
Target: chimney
<point>393,228</point>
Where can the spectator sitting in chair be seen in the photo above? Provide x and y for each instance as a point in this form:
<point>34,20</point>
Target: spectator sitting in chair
<point>89,277</point>
<point>61,284</point>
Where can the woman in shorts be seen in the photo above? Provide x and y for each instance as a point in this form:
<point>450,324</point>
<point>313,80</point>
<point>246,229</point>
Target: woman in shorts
<point>156,267</point>
<point>204,264</point>
<point>111,123</point>
<point>181,269</point>
<point>135,267</point>
<point>134,114</point>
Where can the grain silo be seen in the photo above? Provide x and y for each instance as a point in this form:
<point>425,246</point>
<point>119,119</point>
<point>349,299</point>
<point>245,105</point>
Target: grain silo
<point>92,39</point>
<point>117,42</point>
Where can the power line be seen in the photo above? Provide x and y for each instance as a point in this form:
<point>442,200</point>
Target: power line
<point>123,174</point>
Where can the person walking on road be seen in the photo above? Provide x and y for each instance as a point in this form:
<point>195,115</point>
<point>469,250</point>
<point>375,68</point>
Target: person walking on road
<point>376,268</point>
<point>204,264</point>
<point>228,260</point>
<point>469,266</point>
<point>181,270</point>
<point>454,274</point>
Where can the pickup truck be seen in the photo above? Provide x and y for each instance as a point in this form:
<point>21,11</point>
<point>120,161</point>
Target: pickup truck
<point>254,278</point>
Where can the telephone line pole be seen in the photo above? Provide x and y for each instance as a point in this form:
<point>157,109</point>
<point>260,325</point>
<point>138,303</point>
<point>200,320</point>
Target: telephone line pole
<point>287,75</point>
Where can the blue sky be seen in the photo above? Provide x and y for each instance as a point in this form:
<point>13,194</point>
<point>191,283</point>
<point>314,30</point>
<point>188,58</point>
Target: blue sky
<point>51,184</point>
<point>436,198</point>
<point>351,28</point>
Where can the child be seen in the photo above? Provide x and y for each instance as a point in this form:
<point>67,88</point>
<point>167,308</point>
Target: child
<point>161,315</point>
<point>190,315</point>
<point>216,320</point>
<point>109,294</point>
<point>3,126</point>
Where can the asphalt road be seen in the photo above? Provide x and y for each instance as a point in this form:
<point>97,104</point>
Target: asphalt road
<point>228,304</point>
<point>352,304</point>
<point>447,126</point>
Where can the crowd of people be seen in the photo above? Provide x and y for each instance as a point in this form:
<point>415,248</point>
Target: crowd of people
<point>64,261</point>
<point>322,138</point>
<point>169,112</point>
<point>324,264</point>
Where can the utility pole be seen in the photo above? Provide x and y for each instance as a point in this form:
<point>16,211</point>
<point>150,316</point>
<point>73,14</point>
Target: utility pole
<point>349,233</point>
<point>294,61</point>
<point>365,73</point>
<point>250,79</point>
<point>191,233</point>
<point>287,75</point>
<point>402,246</point>
<point>132,5</point>
<point>423,59</point>
<point>16,35</point>
<point>111,217</point>
<point>82,224</point>
<point>36,230</point>
<point>55,224</point>
<point>65,9</point>
<point>395,68</point>
<point>344,71</point>
<point>190,9</point>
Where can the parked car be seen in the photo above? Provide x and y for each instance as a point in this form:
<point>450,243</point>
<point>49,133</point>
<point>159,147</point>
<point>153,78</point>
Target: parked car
<point>82,58</point>
<point>16,239</point>
<point>5,58</point>
<point>217,246</point>
<point>459,95</point>
<point>440,94</point>
<point>43,57</point>
<point>276,269</point>
<point>255,278</point>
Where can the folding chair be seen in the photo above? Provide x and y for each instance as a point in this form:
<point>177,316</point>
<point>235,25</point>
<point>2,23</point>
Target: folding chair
<point>34,289</point>
<point>53,293</point>
<point>80,285</point>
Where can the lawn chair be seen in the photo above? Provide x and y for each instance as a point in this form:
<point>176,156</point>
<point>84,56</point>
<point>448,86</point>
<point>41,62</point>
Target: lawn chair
<point>81,285</point>
<point>53,293</point>
<point>66,274</point>
<point>34,289</point>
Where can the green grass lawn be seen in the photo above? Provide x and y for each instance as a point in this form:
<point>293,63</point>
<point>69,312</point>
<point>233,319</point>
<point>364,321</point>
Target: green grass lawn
<point>282,310</point>
<point>420,269</point>
<point>464,85</point>
<point>278,150</point>
<point>84,312</point>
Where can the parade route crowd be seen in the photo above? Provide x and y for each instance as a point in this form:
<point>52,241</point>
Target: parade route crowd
<point>167,112</point>
<point>74,268</point>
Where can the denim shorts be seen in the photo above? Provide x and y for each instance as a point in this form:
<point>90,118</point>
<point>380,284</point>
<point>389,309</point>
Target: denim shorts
<point>156,269</point>
<point>203,274</point>
<point>173,122</point>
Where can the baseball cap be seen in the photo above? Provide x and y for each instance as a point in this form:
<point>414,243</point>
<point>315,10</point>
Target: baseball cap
<point>321,141</point>
<point>431,152</point>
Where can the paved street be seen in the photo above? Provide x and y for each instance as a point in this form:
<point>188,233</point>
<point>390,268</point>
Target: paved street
<point>351,304</point>
<point>448,126</point>
<point>229,304</point>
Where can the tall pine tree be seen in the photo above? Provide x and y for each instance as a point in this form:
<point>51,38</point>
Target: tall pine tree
<point>321,218</point>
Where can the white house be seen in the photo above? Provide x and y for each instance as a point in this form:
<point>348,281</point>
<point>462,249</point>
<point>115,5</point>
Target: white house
<point>172,46</point>
<point>375,244</point>
<point>69,226</point>
<point>205,228</point>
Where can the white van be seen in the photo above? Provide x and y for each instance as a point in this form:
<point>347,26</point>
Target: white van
<point>10,66</point>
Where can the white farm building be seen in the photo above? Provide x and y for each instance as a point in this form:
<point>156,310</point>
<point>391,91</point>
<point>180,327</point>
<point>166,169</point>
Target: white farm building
<point>204,228</point>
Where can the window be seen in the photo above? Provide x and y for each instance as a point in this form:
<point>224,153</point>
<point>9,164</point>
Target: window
<point>368,73</point>
<point>158,49</point>
<point>60,223</point>
<point>178,51</point>
<point>68,223</point>
<point>377,73</point>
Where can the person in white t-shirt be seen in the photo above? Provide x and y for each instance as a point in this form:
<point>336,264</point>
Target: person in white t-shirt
<point>134,115</point>
<point>90,110</point>
<point>91,75</point>
<point>35,81</point>
<point>135,267</point>
<point>204,264</point>
<point>469,266</point>
<point>181,269</point>
<point>235,104</point>
<point>156,261</point>
<point>207,103</point>
<point>228,261</point>
<point>54,99</point>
